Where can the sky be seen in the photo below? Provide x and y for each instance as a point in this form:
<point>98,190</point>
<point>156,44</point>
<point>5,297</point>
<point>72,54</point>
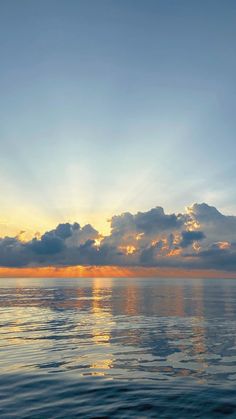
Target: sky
<point>111,107</point>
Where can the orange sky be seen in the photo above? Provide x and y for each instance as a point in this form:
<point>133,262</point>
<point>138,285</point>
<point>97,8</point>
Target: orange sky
<point>110,271</point>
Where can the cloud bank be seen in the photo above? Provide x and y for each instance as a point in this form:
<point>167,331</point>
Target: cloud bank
<point>200,238</point>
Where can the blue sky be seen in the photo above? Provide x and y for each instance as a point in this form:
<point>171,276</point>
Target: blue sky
<point>112,106</point>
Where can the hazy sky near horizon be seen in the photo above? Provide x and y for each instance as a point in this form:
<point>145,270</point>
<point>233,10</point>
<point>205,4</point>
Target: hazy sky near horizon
<point>115,105</point>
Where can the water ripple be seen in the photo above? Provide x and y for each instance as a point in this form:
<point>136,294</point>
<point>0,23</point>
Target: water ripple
<point>64,341</point>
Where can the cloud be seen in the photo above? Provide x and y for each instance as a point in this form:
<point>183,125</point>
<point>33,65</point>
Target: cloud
<point>217,258</point>
<point>215,225</point>
<point>13,253</point>
<point>68,244</point>
<point>200,238</point>
<point>127,228</point>
<point>188,237</point>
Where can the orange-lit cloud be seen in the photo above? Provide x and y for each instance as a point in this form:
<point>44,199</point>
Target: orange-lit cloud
<point>200,239</point>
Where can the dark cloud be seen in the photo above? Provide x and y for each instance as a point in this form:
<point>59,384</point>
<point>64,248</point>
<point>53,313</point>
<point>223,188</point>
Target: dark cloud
<point>150,222</point>
<point>149,254</point>
<point>189,237</point>
<point>47,245</point>
<point>156,221</point>
<point>147,226</point>
<point>53,241</point>
<point>13,253</point>
<point>215,225</point>
<point>67,244</point>
<point>217,258</point>
<point>66,230</point>
<point>200,238</point>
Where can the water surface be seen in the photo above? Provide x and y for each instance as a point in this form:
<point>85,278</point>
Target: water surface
<point>124,348</point>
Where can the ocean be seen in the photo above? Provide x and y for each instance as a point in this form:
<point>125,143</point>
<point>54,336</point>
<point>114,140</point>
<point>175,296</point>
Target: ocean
<point>117,348</point>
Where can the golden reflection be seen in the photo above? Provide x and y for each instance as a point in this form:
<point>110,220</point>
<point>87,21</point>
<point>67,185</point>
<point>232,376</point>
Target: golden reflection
<point>103,322</point>
<point>198,340</point>
<point>176,304</point>
<point>102,317</point>
<point>103,364</point>
<point>131,298</point>
<point>15,330</point>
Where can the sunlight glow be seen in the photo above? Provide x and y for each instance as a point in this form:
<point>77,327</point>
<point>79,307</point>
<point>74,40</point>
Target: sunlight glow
<point>110,272</point>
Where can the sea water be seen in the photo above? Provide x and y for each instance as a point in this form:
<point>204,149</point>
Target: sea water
<point>117,348</point>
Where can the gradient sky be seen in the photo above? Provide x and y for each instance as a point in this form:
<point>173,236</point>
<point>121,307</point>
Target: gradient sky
<point>114,105</point>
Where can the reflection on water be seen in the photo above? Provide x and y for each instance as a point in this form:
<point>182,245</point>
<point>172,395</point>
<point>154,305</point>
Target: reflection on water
<point>147,331</point>
<point>101,335</point>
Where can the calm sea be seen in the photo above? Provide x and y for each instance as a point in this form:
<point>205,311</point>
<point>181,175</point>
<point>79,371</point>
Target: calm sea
<point>117,348</point>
